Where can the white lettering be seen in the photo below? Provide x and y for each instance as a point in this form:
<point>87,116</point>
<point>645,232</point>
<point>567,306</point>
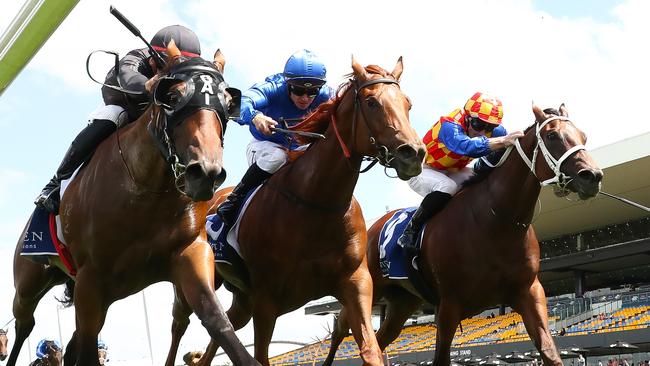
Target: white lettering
<point>37,235</point>
<point>207,84</point>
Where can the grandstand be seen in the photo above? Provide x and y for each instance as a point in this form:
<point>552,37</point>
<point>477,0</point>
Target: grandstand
<point>595,268</point>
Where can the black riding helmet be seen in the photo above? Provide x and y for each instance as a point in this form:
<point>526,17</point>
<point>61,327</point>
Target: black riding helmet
<point>186,40</point>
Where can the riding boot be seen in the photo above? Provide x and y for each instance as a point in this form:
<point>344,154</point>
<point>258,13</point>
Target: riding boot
<point>430,205</point>
<point>253,177</point>
<point>80,150</point>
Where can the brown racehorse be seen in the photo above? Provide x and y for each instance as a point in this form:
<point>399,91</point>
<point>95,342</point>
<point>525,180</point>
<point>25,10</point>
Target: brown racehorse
<point>303,236</point>
<point>53,356</point>
<point>480,250</point>
<point>3,344</point>
<point>135,216</point>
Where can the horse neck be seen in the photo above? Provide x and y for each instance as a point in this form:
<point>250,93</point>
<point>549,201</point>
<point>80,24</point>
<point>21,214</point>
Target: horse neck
<point>323,175</point>
<point>142,157</point>
<point>512,188</point>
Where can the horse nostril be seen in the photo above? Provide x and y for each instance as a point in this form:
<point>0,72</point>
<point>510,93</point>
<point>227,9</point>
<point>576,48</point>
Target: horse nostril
<point>406,152</point>
<point>590,176</point>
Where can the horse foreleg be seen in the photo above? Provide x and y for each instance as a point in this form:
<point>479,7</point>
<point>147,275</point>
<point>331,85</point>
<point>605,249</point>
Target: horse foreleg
<point>447,320</point>
<point>532,307</point>
<point>339,332</point>
<point>401,304</point>
<point>239,314</point>
<point>181,319</point>
<point>264,317</point>
<point>70,354</point>
<point>193,272</point>
<point>90,310</point>
<point>32,281</point>
<point>356,295</point>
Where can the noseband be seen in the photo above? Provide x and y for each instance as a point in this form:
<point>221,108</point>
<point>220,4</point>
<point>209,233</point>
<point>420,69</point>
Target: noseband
<point>560,179</point>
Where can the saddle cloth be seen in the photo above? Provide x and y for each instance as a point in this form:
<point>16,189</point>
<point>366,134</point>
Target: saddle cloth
<point>224,240</point>
<point>43,239</point>
<point>391,256</point>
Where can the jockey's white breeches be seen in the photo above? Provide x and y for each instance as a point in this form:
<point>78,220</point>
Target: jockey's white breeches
<point>268,155</point>
<point>110,112</point>
<point>438,180</point>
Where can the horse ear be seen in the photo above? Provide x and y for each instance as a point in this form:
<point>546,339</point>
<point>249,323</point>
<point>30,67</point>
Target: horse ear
<point>219,61</point>
<point>397,71</point>
<point>173,51</point>
<point>359,71</point>
<point>539,113</point>
<point>563,111</point>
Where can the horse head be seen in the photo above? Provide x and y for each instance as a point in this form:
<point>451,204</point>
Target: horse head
<point>3,344</point>
<point>103,356</point>
<point>565,163</point>
<point>192,104</point>
<point>384,108</point>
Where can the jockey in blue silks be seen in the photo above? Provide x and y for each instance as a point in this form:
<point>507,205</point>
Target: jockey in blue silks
<point>41,347</point>
<point>281,100</point>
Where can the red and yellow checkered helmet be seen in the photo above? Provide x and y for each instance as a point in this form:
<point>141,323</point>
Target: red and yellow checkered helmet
<point>485,107</point>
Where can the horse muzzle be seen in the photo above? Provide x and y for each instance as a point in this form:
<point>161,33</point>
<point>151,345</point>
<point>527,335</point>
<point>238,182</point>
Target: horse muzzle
<point>407,160</point>
<point>202,179</point>
<point>587,183</point>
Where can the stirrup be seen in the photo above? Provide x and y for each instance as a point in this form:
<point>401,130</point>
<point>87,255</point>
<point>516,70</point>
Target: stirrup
<point>49,202</point>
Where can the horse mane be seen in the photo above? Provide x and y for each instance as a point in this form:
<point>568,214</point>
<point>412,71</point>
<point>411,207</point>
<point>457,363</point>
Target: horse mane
<point>480,175</point>
<point>319,119</point>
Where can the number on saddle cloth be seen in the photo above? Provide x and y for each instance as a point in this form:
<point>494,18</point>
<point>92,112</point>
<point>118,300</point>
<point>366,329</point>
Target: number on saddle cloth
<point>391,255</point>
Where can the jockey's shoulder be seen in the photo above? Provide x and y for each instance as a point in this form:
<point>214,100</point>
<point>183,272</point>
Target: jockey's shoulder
<point>455,116</point>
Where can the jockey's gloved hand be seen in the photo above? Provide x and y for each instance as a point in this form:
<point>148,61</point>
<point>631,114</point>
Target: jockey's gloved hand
<point>264,124</point>
<point>151,83</point>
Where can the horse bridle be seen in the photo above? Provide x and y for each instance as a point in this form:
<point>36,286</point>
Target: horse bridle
<point>560,179</point>
<point>165,121</point>
<point>384,155</point>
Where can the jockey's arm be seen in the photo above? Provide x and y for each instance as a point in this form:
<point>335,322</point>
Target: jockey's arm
<point>456,140</point>
<point>501,139</point>
<point>133,69</point>
<point>254,101</point>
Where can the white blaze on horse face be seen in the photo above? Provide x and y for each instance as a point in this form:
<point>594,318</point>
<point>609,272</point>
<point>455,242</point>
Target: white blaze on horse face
<point>207,87</point>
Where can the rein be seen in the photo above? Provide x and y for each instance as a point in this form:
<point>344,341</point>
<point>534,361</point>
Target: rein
<point>560,179</point>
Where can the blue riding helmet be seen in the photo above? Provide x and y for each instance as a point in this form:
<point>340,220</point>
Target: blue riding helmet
<point>101,345</point>
<point>41,348</point>
<point>306,69</point>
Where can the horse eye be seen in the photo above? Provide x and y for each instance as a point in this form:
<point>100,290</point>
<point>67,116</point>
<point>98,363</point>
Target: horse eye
<point>553,135</point>
<point>372,102</point>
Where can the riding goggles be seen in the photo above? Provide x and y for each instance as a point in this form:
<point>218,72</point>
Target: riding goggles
<point>479,125</point>
<point>301,90</point>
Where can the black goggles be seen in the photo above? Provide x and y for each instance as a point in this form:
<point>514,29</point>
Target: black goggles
<point>479,125</point>
<point>301,90</point>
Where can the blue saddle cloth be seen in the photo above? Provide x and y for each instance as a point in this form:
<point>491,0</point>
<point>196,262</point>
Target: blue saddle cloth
<point>37,242</point>
<point>218,239</point>
<point>222,239</point>
<point>391,255</point>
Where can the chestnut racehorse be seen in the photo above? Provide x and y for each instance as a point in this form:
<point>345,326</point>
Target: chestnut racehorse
<point>303,235</point>
<point>135,215</point>
<point>481,250</point>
